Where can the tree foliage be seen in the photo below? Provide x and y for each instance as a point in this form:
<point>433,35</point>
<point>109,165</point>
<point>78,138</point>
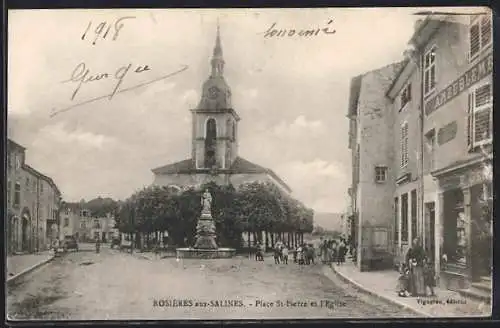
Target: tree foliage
<point>252,207</point>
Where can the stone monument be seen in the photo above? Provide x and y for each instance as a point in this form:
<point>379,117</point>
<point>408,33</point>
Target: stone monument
<point>205,230</point>
<point>205,246</point>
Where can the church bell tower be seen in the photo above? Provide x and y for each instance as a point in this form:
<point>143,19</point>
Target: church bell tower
<point>215,122</point>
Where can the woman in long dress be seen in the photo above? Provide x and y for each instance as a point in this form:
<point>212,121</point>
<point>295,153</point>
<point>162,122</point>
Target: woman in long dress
<point>415,262</point>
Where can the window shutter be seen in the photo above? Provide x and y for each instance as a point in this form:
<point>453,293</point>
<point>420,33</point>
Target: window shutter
<point>470,120</point>
<point>485,30</point>
<point>474,41</point>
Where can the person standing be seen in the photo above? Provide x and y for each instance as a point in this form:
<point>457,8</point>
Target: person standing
<point>284,252</point>
<point>415,261</point>
<point>343,250</point>
<point>277,254</point>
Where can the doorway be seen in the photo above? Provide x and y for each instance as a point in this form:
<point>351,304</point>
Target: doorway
<point>430,235</point>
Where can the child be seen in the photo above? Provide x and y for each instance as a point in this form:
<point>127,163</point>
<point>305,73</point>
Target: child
<point>429,275</point>
<point>404,281</point>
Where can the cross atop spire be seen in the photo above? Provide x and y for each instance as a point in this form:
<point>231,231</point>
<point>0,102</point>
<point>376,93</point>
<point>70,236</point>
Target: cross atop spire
<point>218,47</point>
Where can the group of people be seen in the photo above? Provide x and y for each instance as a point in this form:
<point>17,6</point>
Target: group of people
<point>303,254</point>
<point>333,251</point>
<point>417,273</point>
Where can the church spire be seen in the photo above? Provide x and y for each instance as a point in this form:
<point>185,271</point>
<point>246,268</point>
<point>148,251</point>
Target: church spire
<point>217,59</point>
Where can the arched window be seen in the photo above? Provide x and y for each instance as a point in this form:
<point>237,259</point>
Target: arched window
<point>211,129</point>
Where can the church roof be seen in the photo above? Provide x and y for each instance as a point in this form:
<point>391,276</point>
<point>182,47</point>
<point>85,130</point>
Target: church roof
<point>240,166</point>
<point>185,166</point>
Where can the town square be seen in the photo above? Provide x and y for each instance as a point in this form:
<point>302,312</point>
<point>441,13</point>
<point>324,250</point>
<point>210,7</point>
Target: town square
<point>263,164</point>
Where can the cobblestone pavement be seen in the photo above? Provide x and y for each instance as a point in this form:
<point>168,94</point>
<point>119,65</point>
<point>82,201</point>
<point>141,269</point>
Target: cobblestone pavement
<point>117,285</point>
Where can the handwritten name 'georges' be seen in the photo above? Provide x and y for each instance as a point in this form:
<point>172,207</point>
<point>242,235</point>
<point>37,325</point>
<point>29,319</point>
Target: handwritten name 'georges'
<point>274,32</point>
<point>82,75</point>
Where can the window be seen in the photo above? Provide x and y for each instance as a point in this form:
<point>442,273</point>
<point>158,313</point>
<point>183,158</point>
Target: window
<point>404,218</point>
<point>34,185</point>
<point>380,173</point>
<point>17,194</point>
<point>97,224</point>
<point>404,144</point>
<point>27,184</point>
<point>414,214</point>
<point>83,225</point>
<point>41,187</point>
<point>396,220</point>
<point>356,165</point>
<point>8,192</point>
<point>66,222</point>
<point>480,116</point>
<point>406,95</point>
<point>430,71</point>
<point>18,162</point>
<point>480,35</point>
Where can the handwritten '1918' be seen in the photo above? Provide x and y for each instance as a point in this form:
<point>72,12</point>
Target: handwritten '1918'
<point>103,28</point>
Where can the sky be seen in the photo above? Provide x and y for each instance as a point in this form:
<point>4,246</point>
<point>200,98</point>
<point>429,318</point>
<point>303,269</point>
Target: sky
<point>291,93</point>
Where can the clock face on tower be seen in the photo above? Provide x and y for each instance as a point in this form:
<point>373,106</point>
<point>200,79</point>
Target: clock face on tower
<point>213,92</point>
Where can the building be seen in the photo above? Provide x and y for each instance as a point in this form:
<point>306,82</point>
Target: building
<point>70,220</point>
<point>442,131</point>
<point>456,57</point>
<point>371,143</point>
<point>32,204</point>
<point>214,152</point>
<point>407,142</point>
<point>80,222</point>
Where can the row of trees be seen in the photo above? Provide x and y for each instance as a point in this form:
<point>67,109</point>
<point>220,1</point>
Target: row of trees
<point>253,208</point>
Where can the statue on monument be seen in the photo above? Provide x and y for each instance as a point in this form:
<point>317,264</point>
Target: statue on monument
<point>207,202</point>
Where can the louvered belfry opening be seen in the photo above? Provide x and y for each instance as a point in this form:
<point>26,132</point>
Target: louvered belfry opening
<point>210,143</point>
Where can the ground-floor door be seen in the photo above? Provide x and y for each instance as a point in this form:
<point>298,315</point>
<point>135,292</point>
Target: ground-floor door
<point>481,239</point>
<point>24,235</point>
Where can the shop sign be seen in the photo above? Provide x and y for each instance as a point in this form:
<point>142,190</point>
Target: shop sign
<point>482,69</point>
<point>447,133</point>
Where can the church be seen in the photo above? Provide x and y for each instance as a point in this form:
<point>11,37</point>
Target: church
<point>214,150</point>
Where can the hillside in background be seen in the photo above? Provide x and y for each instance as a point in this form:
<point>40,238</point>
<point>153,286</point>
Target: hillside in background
<point>328,221</point>
<point>98,207</point>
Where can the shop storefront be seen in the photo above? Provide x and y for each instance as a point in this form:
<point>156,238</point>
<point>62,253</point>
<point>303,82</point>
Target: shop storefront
<point>465,216</point>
